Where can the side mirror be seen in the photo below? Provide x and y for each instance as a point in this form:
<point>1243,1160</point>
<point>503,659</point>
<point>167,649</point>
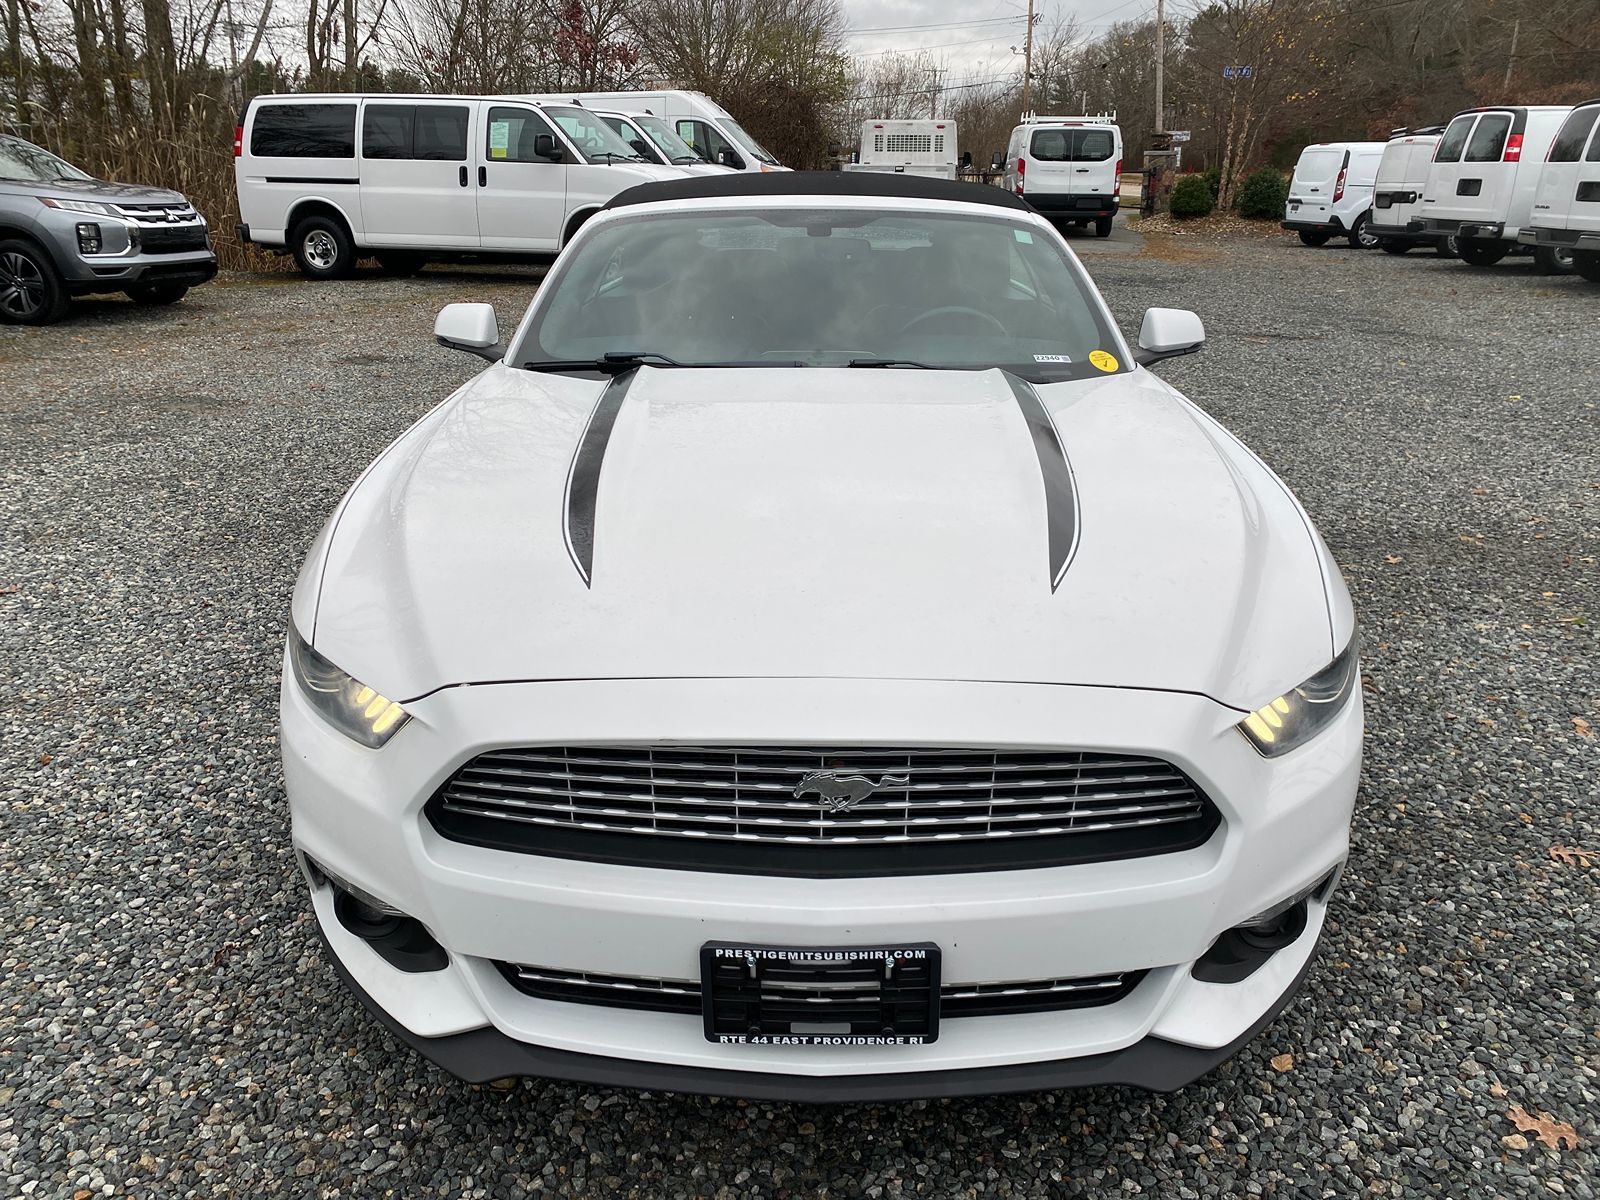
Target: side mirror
<point>833,149</point>
<point>544,146</point>
<point>470,327</point>
<point>729,157</point>
<point>641,149</point>
<point>997,161</point>
<point>966,160</point>
<point>1167,333</point>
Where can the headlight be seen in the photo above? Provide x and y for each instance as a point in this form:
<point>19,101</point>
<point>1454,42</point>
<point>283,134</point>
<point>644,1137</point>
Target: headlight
<point>82,206</point>
<point>1301,713</point>
<point>349,705</point>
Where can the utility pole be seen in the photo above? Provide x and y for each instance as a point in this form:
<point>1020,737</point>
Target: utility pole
<point>1161,60</point>
<point>933,96</point>
<point>1027,63</point>
<point>1511,61</point>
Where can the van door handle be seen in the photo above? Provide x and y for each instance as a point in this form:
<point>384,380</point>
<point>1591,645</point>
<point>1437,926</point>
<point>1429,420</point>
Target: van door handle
<point>1083,170</point>
<point>483,176</point>
<point>463,177</point>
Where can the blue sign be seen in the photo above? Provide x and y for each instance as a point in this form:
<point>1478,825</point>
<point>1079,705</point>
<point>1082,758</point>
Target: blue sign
<point>1246,72</point>
<point>1227,72</point>
<point>1238,72</point>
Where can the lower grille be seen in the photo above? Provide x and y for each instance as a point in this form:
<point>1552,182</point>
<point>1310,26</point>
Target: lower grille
<point>173,240</point>
<point>829,1001</point>
<point>821,811</point>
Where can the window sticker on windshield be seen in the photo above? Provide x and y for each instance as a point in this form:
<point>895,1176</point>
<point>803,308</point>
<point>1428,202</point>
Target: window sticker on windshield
<point>1103,360</point>
<point>1023,236</point>
<point>1052,358</point>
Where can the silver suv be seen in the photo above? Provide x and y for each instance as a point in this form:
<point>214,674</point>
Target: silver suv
<point>64,233</point>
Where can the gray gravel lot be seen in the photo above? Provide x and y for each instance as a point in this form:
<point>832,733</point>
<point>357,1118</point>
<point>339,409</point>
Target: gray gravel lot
<point>169,1029</point>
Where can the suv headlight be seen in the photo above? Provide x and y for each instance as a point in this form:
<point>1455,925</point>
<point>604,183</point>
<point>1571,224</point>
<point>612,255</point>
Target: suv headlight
<point>79,206</point>
<point>350,706</point>
<point>1301,713</point>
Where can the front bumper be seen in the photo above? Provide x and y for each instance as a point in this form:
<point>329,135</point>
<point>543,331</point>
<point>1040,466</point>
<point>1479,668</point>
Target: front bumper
<point>125,257</point>
<point>358,813</point>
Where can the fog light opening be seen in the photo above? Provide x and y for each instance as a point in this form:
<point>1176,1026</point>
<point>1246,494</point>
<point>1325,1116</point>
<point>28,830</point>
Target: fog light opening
<point>401,941</point>
<point>88,237</point>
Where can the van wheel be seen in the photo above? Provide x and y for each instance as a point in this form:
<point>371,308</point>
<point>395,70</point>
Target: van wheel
<point>1480,252</point>
<point>1393,247</point>
<point>401,265</point>
<point>157,293</point>
<point>1314,237</point>
<point>1448,246</point>
<point>1587,264</point>
<point>1361,236</point>
<point>1102,226</point>
<point>31,291</point>
<point>1552,260</point>
<point>322,249</point>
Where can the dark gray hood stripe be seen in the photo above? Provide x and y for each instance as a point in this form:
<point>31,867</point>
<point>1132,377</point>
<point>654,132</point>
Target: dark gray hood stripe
<point>1060,487</point>
<point>583,477</point>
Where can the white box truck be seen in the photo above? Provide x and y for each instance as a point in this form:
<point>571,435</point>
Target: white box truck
<point>926,147</point>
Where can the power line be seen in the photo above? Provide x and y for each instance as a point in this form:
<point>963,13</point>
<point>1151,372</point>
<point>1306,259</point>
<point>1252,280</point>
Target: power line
<point>934,25</point>
<point>999,37</point>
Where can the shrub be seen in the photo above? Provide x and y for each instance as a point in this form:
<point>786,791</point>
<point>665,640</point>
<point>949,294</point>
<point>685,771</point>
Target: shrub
<point>1263,195</point>
<point>1192,198</point>
<point>1213,179</point>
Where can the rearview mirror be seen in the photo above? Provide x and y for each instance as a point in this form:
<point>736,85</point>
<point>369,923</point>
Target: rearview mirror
<point>1167,333</point>
<point>470,327</point>
<point>640,148</point>
<point>544,146</point>
<point>730,158</point>
<point>833,149</point>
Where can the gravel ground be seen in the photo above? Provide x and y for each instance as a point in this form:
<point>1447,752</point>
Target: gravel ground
<point>169,1029</point>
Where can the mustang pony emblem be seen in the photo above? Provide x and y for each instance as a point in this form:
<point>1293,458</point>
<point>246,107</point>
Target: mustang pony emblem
<point>840,793</point>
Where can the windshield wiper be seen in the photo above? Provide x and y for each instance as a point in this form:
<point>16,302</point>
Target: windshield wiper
<point>891,362</point>
<point>613,362</point>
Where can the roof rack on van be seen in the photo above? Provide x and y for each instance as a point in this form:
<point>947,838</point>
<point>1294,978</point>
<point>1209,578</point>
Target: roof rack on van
<point>1415,131</point>
<point>1102,118</point>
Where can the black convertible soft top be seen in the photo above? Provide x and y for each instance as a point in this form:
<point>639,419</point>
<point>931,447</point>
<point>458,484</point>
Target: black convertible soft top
<point>825,185</point>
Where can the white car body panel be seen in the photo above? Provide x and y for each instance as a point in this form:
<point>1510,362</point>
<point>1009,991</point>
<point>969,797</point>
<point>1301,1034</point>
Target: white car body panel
<point>1314,194</point>
<point>1402,175</point>
<point>1495,192</point>
<point>1568,196</point>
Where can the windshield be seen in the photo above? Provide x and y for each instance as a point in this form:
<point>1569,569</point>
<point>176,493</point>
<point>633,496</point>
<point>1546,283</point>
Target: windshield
<point>23,162</point>
<point>595,140</point>
<point>734,130</point>
<point>674,147</point>
<point>834,287</point>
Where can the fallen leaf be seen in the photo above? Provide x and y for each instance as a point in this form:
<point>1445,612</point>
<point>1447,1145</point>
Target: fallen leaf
<point>1480,491</point>
<point>1544,1128</point>
<point>1392,558</point>
<point>1514,1141</point>
<point>45,760</point>
<point>1582,726</point>
<point>1573,856</point>
<point>1498,1090</point>
<point>1283,1063</point>
<point>9,588</point>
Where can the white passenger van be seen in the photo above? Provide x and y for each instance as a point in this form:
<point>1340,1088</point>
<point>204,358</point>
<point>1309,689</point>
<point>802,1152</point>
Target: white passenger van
<point>1566,207</point>
<point>1068,169</point>
<point>332,178</point>
<point>654,141</point>
<point>1330,193</point>
<point>696,118</point>
<point>1485,171</point>
<point>1397,193</point>
<point>926,147</point>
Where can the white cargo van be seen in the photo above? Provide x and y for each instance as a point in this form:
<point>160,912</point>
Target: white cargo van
<point>926,147</point>
<point>696,118</point>
<point>654,141</point>
<point>1566,207</point>
<point>1481,185</point>
<point>1067,168</point>
<point>1397,193</point>
<point>331,178</point>
<point>1330,193</point>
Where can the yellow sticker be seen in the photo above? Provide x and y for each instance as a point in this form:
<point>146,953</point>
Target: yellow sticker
<point>1106,362</point>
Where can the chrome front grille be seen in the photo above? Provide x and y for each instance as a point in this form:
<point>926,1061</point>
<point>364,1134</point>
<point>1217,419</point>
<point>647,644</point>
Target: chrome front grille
<point>826,1000</point>
<point>908,801</point>
<point>175,213</point>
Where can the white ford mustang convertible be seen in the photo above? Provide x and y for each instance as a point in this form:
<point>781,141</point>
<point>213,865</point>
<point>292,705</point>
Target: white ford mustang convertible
<point>819,660</point>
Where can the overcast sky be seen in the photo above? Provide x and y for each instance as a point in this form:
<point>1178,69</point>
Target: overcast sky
<point>972,38</point>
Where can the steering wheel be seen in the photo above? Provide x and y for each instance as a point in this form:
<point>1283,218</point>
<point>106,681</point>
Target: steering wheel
<point>952,310</point>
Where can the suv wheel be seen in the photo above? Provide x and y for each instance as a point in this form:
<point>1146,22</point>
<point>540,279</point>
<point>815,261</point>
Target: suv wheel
<point>1448,246</point>
<point>157,293</point>
<point>1390,246</point>
<point>323,250</point>
<point>1587,264</point>
<point>1361,236</point>
<point>31,291</point>
<point>1481,252</point>
<point>1552,260</point>
<point>1314,237</point>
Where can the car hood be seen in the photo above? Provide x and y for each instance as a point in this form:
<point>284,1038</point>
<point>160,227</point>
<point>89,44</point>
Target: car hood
<point>819,523</point>
<point>95,189</point>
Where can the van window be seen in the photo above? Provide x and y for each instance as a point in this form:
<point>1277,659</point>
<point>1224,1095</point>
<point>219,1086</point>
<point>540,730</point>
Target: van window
<point>1455,138</point>
<point>1568,146</point>
<point>1489,138</point>
<point>706,139</point>
<point>511,134</point>
<point>595,140</point>
<point>1072,145</point>
<point>1594,150</point>
<point>386,131</point>
<point>304,131</point>
<point>442,132</point>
